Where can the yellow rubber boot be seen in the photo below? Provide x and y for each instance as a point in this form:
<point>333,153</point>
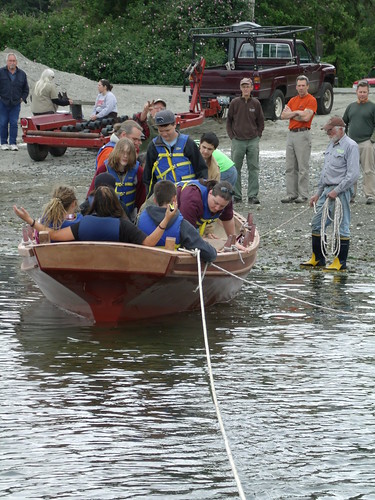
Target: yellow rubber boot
<point>317,259</point>
<point>339,262</point>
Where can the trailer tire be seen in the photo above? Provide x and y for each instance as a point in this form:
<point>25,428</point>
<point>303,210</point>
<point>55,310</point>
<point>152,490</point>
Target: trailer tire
<point>276,105</point>
<point>58,150</point>
<point>325,102</point>
<point>37,152</point>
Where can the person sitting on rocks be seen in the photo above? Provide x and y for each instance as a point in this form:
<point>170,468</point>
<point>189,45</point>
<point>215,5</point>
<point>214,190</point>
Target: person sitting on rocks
<point>105,222</point>
<point>165,194</point>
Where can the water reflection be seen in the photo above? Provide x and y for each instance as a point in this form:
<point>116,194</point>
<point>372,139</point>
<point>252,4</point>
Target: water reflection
<point>125,412</point>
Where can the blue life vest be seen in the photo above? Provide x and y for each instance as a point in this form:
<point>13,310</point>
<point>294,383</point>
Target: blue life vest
<point>108,145</point>
<point>207,216</point>
<point>172,165</point>
<point>71,221</point>
<point>126,189</point>
<point>94,228</point>
<point>147,225</point>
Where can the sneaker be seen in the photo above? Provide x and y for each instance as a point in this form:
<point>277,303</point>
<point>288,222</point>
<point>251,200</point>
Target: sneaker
<point>13,147</point>
<point>289,199</point>
<point>370,200</point>
<point>253,200</point>
<point>4,147</point>
<point>300,199</point>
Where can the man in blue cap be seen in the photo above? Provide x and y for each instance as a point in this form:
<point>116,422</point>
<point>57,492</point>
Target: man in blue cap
<point>171,155</point>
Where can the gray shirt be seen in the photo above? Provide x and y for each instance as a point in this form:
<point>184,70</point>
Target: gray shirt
<point>341,165</point>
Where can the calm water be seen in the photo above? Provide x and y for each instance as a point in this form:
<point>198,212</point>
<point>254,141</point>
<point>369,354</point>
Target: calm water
<point>94,413</point>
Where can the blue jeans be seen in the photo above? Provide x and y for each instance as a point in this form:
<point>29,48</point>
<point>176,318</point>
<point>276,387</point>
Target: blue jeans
<point>8,120</point>
<point>229,175</point>
<point>345,201</point>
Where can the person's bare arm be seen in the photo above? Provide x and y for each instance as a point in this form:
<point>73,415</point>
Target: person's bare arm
<point>56,235</point>
<point>154,237</point>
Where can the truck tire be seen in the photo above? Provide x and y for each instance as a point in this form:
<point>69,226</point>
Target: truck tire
<point>275,105</point>
<point>37,152</point>
<point>58,150</point>
<point>325,102</point>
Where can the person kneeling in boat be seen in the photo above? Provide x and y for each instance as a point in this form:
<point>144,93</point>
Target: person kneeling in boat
<point>105,222</point>
<point>165,195</point>
<point>203,202</point>
<point>123,165</point>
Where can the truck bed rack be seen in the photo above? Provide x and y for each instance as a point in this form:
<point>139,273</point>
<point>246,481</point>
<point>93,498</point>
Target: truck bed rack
<point>246,32</point>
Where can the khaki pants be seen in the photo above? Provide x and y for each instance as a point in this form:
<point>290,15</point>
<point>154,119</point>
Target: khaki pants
<point>298,151</point>
<point>367,159</point>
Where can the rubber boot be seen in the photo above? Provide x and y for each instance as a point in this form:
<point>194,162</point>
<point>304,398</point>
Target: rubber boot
<point>339,262</point>
<point>317,258</point>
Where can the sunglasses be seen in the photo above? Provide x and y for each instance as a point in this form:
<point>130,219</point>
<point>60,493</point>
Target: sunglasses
<point>225,190</point>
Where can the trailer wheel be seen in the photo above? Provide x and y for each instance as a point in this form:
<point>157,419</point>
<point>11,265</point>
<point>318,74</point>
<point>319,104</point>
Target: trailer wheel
<point>325,102</point>
<point>277,104</point>
<point>58,150</point>
<point>37,152</point>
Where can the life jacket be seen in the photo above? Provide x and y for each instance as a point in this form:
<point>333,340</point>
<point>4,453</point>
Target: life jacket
<point>94,228</point>
<point>172,165</point>
<point>108,145</point>
<point>126,189</point>
<point>207,216</point>
<point>72,219</point>
<point>147,225</point>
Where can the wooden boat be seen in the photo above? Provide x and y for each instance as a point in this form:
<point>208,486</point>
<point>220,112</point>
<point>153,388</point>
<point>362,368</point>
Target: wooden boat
<point>117,282</point>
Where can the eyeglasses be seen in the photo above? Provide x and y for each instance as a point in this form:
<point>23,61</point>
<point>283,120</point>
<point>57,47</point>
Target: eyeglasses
<point>224,189</point>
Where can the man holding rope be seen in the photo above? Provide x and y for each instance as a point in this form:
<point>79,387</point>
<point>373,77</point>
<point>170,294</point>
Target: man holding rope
<point>339,174</point>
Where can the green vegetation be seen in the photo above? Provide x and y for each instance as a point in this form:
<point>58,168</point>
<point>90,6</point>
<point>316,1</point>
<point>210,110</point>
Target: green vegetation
<point>146,42</point>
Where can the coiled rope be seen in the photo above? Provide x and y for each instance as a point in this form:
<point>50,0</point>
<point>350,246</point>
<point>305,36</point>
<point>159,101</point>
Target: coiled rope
<point>336,220</point>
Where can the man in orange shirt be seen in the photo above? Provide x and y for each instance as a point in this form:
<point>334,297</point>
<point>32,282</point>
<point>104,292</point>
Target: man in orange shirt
<point>300,111</point>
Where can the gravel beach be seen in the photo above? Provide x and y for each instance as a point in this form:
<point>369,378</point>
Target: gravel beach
<point>285,228</point>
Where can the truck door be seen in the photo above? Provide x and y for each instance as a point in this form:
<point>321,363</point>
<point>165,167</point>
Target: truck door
<point>309,66</point>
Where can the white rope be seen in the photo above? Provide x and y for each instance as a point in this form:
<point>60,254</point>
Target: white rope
<point>275,292</point>
<point>336,220</point>
<point>213,392</point>
<point>286,222</point>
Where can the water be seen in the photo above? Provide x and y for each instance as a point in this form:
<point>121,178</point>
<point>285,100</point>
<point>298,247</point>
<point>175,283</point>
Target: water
<point>97,413</point>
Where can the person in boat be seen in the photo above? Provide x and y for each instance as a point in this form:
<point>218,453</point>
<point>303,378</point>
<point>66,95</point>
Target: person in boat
<point>106,102</point>
<point>123,165</point>
<point>106,221</point>
<point>220,166</point>
<point>203,202</point>
<point>45,97</point>
<point>61,210</point>
<point>146,119</point>
<point>186,236</point>
<point>171,155</point>
<point>130,129</point>
<point>104,179</point>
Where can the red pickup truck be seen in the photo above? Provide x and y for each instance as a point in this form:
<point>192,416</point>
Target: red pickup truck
<point>273,57</point>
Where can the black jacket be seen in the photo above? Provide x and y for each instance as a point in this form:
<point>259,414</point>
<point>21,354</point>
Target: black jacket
<point>12,91</point>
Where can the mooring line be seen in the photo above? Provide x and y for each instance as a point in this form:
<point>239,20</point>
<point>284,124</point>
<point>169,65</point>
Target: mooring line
<point>275,292</point>
<point>300,212</point>
<point>213,392</point>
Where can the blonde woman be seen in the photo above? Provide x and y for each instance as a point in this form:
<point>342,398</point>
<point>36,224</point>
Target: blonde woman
<point>45,97</point>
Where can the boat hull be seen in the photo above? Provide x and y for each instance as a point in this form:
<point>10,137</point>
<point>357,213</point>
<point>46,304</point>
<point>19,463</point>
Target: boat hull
<point>116,282</point>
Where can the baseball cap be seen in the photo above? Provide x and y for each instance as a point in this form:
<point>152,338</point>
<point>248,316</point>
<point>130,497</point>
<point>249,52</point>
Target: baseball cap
<point>246,81</point>
<point>105,179</point>
<point>160,100</point>
<point>334,121</point>
<point>164,117</point>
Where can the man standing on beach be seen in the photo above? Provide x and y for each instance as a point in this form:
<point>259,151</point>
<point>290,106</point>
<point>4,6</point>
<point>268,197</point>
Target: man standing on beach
<point>13,90</point>
<point>245,124</point>
<point>359,118</point>
<point>339,174</point>
<point>300,111</point>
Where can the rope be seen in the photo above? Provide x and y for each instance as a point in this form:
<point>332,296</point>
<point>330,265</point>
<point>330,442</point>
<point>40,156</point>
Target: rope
<point>213,392</point>
<point>300,212</point>
<point>275,292</point>
<point>337,219</point>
